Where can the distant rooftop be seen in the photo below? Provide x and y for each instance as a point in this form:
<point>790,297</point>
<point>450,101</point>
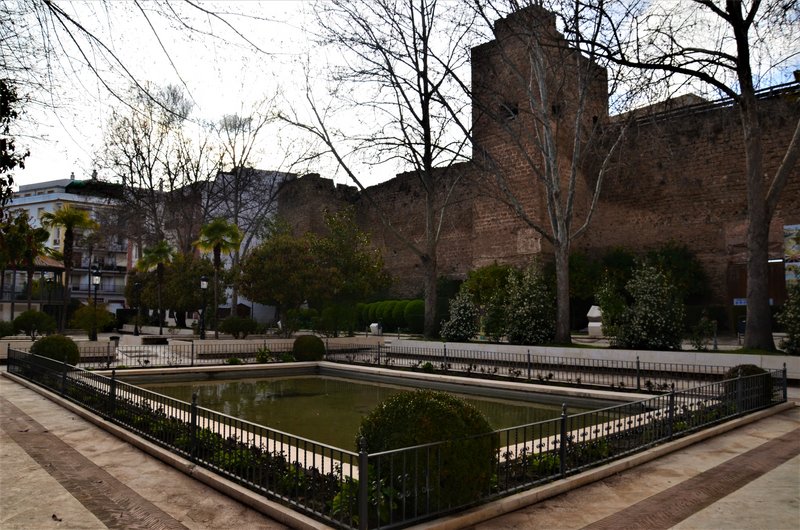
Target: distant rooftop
<point>60,183</point>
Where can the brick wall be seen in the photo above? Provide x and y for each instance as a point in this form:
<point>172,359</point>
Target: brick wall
<point>678,176</point>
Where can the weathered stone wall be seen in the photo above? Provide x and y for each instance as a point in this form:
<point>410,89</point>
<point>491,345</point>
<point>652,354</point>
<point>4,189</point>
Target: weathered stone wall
<point>678,175</point>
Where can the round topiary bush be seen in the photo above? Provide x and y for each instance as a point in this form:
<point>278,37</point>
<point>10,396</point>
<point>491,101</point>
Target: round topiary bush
<point>752,387</point>
<point>308,348</point>
<point>464,464</point>
<point>57,347</point>
<point>34,323</point>
<point>415,316</point>
<point>398,314</point>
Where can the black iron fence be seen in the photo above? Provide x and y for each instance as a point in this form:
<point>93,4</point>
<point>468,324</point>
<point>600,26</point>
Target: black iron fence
<point>517,366</point>
<point>527,366</point>
<point>397,488</point>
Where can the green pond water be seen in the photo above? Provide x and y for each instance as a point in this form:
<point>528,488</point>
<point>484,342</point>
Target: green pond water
<point>327,409</point>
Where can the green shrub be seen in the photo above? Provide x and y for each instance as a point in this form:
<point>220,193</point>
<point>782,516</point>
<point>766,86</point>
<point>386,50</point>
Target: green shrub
<point>494,319</point>
<point>388,321</point>
<point>233,360</point>
<point>336,318</point>
<point>465,462</point>
<point>530,309</point>
<point>34,323</point>
<point>89,317</point>
<point>362,314</point>
<point>384,308</point>
<point>239,327</point>
<point>753,387</point>
<point>264,355</point>
<point>308,348</point>
<point>414,316</point>
<point>789,318</point>
<point>6,328</point>
<point>372,312</point>
<point>57,347</point>
<point>463,322</point>
<point>398,314</point>
<point>654,320</point>
<point>702,333</point>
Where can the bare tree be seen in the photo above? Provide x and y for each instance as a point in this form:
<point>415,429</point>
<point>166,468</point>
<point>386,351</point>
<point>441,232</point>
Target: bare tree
<point>148,151</point>
<point>192,165</point>
<point>399,60</point>
<point>541,123</point>
<point>728,47</point>
<point>43,41</point>
<point>243,195</point>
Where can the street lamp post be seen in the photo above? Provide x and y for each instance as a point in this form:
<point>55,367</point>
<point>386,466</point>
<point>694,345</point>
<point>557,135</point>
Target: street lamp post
<point>204,288</point>
<point>96,282</point>
<point>137,290</point>
<point>49,282</point>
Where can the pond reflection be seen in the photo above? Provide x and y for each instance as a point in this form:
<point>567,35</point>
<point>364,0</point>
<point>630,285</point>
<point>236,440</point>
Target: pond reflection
<point>327,409</point>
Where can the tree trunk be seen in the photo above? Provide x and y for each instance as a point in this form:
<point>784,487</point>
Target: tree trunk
<point>30,272</point>
<point>13,291</point>
<point>69,239</point>
<point>216,302</point>
<point>758,333</point>
<point>235,283</point>
<point>431,327</point>
<point>563,335</point>
<point>159,281</point>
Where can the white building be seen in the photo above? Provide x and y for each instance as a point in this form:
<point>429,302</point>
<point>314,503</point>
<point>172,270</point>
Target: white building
<point>110,254</point>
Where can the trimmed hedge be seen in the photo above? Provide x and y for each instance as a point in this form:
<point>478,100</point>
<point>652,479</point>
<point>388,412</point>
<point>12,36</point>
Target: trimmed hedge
<point>308,348</point>
<point>465,462</point>
<point>57,347</point>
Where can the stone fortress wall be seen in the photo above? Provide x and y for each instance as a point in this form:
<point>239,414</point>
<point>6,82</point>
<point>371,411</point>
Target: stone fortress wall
<point>679,175</point>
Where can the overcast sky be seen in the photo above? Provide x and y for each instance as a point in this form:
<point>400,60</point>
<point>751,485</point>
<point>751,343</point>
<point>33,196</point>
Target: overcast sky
<point>223,75</point>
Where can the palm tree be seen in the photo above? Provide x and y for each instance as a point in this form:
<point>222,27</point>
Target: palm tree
<point>70,219</point>
<point>35,239</point>
<point>157,256</point>
<point>218,236</point>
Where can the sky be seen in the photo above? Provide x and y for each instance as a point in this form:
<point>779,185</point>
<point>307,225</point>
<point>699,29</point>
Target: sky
<point>267,51</point>
<point>221,75</point>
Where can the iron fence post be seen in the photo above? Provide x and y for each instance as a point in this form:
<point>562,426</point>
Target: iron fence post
<point>562,448</point>
<point>108,355</point>
<point>444,357</point>
<point>785,383</point>
<point>193,428</point>
<point>363,485</point>
<point>379,354</point>
<point>192,353</point>
<point>529,364</point>
<point>671,413</point>
<point>638,377</point>
<point>739,392</point>
<point>112,394</point>
<point>64,376</point>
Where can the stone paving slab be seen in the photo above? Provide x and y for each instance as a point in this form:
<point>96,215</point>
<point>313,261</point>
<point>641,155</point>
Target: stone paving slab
<point>60,471</point>
<point>718,483</point>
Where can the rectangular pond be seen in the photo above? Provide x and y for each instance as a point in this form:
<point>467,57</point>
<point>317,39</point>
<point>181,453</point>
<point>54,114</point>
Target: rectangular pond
<point>329,409</point>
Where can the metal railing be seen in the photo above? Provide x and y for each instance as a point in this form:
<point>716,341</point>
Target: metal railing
<point>397,488</point>
<point>622,375</point>
<point>636,375</point>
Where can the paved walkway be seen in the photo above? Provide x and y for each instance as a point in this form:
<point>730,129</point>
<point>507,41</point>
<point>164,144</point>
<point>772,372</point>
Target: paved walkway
<point>59,471</point>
